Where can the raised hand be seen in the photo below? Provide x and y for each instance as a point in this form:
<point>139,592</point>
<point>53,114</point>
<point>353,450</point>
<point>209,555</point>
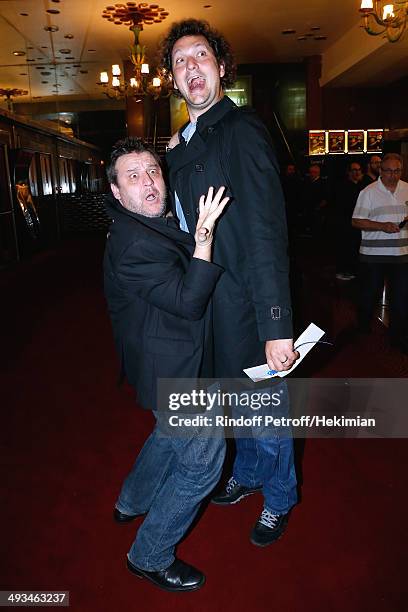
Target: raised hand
<point>210,208</point>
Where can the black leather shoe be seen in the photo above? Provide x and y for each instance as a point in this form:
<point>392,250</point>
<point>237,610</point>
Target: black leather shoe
<point>121,518</point>
<point>268,528</point>
<point>233,493</point>
<point>179,576</point>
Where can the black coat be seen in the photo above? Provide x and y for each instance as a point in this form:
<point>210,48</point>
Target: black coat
<point>157,296</point>
<point>251,304</point>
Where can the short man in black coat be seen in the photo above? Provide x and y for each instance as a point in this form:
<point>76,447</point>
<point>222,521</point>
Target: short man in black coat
<point>225,145</point>
<point>158,283</point>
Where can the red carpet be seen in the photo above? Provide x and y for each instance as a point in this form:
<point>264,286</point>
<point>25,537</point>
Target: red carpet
<point>69,435</point>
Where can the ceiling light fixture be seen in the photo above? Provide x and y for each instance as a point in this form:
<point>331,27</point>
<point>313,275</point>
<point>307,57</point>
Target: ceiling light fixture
<point>139,84</point>
<point>388,19</point>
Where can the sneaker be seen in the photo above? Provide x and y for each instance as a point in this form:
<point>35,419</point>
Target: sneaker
<point>268,528</point>
<point>233,493</point>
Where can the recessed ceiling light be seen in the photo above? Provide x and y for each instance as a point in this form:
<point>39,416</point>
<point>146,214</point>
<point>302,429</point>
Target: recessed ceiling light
<point>53,11</point>
<point>207,6</point>
<point>91,50</point>
<point>65,51</point>
<point>302,38</point>
<point>30,60</point>
<point>23,74</point>
<point>69,36</point>
<point>19,53</point>
<point>44,47</point>
<point>289,31</point>
<point>44,82</point>
<point>320,37</point>
<point>315,28</point>
<point>51,28</point>
<point>24,14</point>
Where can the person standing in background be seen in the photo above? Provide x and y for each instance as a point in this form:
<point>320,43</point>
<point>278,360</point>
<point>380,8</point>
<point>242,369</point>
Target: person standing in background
<point>373,170</point>
<point>347,237</point>
<point>381,213</point>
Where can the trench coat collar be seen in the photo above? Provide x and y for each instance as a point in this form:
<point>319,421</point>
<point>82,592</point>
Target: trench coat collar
<point>181,155</point>
<point>167,226</point>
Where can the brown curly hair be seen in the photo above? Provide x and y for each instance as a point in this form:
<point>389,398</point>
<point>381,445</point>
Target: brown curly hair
<point>217,42</point>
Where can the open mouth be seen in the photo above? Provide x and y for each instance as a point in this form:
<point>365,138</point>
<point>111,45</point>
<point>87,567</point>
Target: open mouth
<point>195,82</point>
<point>151,196</point>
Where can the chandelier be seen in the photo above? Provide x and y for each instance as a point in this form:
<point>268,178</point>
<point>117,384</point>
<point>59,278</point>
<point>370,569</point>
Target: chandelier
<point>388,19</point>
<point>141,83</point>
<point>9,94</point>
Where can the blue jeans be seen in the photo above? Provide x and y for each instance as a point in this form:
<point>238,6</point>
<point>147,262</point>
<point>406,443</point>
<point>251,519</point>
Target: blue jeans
<point>171,476</point>
<point>265,456</point>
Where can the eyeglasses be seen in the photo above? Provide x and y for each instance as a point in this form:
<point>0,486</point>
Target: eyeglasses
<point>390,171</point>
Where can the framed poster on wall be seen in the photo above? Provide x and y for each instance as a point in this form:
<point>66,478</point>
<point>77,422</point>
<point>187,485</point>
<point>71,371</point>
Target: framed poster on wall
<point>317,142</point>
<point>375,141</point>
<point>356,141</point>
<point>337,141</point>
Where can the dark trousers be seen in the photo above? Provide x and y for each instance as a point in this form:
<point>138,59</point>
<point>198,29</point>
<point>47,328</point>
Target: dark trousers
<point>371,282</point>
<point>347,246</point>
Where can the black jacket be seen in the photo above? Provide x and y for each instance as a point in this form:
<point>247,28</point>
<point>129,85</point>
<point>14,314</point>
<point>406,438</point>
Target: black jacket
<point>157,297</point>
<point>251,304</point>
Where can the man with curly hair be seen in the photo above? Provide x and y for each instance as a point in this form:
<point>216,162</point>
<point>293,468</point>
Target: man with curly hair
<point>225,145</point>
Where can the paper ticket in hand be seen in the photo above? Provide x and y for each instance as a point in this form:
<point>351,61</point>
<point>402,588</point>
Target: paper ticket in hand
<point>311,335</point>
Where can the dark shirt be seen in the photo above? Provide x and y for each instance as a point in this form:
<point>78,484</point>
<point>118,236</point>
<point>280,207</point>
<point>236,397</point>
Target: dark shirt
<point>345,201</point>
<point>314,192</point>
<point>366,180</point>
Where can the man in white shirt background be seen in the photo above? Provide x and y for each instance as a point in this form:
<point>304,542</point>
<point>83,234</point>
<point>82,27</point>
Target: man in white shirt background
<point>380,212</point>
